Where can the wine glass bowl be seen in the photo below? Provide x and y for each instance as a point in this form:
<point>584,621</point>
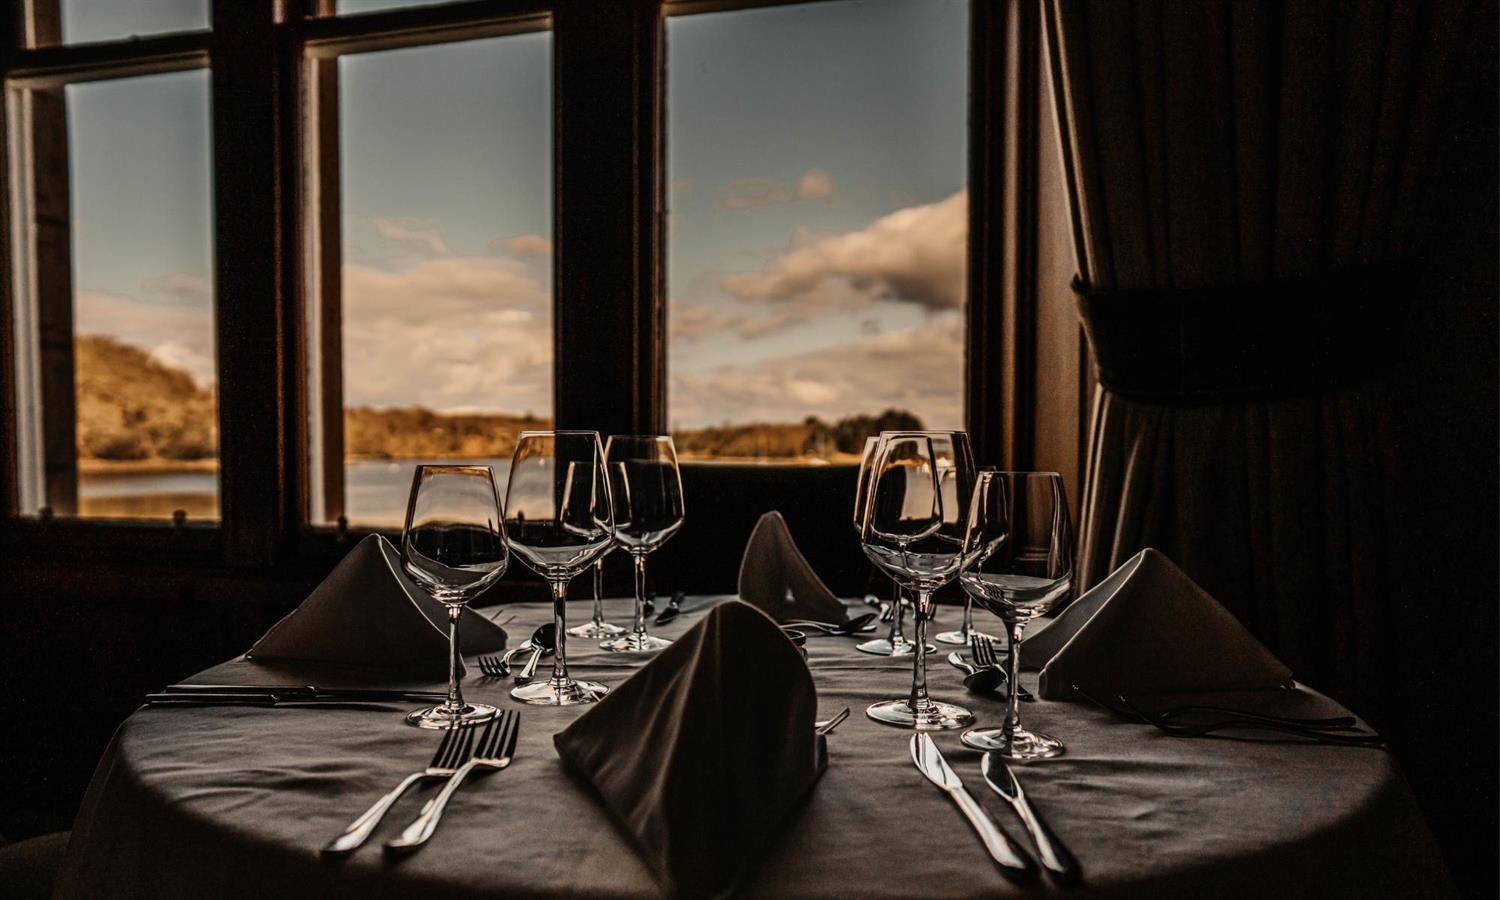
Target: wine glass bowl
<point>895,642</point>
<point>646,484</point>
<point>915,537</point>
<point>1019,566</point>
<point>559,519</point>
<point>453,547</point>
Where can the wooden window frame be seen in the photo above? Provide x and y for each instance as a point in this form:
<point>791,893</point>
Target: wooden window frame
<point>609,317</point>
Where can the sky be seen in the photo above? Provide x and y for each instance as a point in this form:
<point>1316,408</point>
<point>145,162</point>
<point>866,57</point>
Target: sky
<point>816,229</point>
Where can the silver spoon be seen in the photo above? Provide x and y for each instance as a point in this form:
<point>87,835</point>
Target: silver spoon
<point>542,641</point>
<point>982,680</point>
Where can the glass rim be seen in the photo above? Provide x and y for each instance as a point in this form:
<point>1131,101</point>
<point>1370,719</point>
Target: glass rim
<point>454,467</point>
<point>557,432</point>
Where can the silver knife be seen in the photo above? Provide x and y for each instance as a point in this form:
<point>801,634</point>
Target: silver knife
<point>1013,863</point>
<point>1053,854</point>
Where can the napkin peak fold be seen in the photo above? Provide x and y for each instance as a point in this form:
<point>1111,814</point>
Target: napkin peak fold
<point>702,754</point>
<point>367,612</point>
<point>1149,628</point>
<point>777,579</point>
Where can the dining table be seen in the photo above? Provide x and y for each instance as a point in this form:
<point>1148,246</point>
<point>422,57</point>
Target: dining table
<point>238,801</point>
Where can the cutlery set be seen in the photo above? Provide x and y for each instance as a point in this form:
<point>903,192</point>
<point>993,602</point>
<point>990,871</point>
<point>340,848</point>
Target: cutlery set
<point>463,750</point>
<point>1198,720</point>
<point>1014,863</point>
<point>280,694</point>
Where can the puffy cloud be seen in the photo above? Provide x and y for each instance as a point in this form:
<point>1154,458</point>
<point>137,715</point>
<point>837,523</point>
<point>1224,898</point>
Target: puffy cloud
<point>525,245</point>
<point>919,369</point>
<point>180,284</point>
<point>914,255</point>
<point>750,193</point>
<point>175,334</point>
<point>450,334</point>
<point>412,230</point>
<point>815,185</point>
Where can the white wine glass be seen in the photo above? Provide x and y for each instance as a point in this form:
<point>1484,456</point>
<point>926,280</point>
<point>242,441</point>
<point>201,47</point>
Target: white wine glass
<point>453,546</point>
<point>596,627</point>
<point>953,490</point>
<point>559,519</point>
<point>1018,565</point>
<point>647,486</point>
<point>895,642</point>
<point>917,539</point>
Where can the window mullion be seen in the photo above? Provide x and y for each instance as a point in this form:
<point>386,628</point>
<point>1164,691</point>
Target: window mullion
<point>607,337</point>
<point>249,301</point>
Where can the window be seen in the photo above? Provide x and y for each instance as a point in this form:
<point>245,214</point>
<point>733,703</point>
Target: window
<point>128,224</point>
<point>431,337</point>
<point>92,21</point>
<point>816,235</point>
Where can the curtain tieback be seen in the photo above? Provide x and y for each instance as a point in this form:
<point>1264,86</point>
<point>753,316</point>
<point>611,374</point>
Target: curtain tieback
<point>1245,341</point>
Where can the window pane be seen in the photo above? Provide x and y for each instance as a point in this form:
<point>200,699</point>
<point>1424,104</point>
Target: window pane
<point>445,171</point>
<point>818,225</point>
<point>87,21</point>
<point>143,320</point>
<point>344,7</point>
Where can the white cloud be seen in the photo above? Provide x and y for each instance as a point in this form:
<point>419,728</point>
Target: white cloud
<point>751,193</point>
<point>180,284</point>
<point>525,245</point>
<point>918,369</point>
<point>412,230</point>
<point>914,255</point>
<point>815,185</point>
<point>449,334</point>
<point>175,334</point>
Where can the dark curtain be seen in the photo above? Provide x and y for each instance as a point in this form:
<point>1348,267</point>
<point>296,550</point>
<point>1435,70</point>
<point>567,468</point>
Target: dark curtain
<point>1255,179</point>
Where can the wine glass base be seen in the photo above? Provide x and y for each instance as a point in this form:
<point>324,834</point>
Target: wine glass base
<point>957,637</point>
<point>883,647</point>
<point>592,630</point>
<point>440,717</point>
<point>1023,744</point>
<point>564,693</point>
<point>938,716</point>
<point>630,642</point>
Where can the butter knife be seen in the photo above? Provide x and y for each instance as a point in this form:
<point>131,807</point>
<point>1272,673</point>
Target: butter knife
<point>1013,863</point>
<point>1049,849</point>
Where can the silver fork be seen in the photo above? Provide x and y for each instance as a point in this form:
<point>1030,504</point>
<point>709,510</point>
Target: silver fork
<point>495,666</point>
<point>451,753</point>
<point>984,657</point>
<point>497,743</point>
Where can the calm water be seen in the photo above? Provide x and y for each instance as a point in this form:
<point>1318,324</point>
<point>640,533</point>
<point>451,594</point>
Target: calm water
<point>374,492</point>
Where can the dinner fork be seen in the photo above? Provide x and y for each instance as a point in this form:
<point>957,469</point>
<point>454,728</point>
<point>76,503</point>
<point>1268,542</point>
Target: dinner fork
<point>455,748</point>
<point>495,666</point>
<point>496,746</point>
<point>984,658</point>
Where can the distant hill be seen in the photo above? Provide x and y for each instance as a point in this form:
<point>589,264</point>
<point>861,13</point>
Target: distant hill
<point>131,407</point>
<point>134,408</point>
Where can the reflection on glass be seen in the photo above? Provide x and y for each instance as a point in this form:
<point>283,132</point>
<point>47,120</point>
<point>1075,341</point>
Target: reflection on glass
<point>817,227</point>
<point>444,164</point>
<point>345,7</point>
<point>145,376</point>
<point>87,21</point>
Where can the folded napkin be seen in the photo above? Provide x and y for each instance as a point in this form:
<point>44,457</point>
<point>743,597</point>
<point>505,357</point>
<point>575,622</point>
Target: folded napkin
<point>703,753</point>
<point>1148,628</point>
<point>367,612</point>
<point>776,579</point>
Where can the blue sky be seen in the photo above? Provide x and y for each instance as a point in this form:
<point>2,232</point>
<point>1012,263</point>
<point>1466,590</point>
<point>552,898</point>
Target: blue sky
<point>816,159</point>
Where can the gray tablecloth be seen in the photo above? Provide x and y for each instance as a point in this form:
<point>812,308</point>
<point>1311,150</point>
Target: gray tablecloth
<point>226,801</point>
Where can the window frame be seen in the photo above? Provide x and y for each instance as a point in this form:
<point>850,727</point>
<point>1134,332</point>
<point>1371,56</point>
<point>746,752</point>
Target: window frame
<point>608,239</point>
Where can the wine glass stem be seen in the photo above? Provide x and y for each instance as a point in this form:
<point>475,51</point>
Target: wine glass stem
<point>895,637</point>
<point>1013,672</point>
<point>968,625</point>
<point>599,592</point>
<point>919,700</point>
<point>455,697</point>
<point>640,595</point>
<point>560,621</point>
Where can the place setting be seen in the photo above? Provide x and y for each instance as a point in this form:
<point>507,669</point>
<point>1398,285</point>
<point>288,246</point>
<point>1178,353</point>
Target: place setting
<point>754,699</point>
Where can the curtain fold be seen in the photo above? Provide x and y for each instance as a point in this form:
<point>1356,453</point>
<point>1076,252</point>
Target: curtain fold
<point>1219,145</point>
